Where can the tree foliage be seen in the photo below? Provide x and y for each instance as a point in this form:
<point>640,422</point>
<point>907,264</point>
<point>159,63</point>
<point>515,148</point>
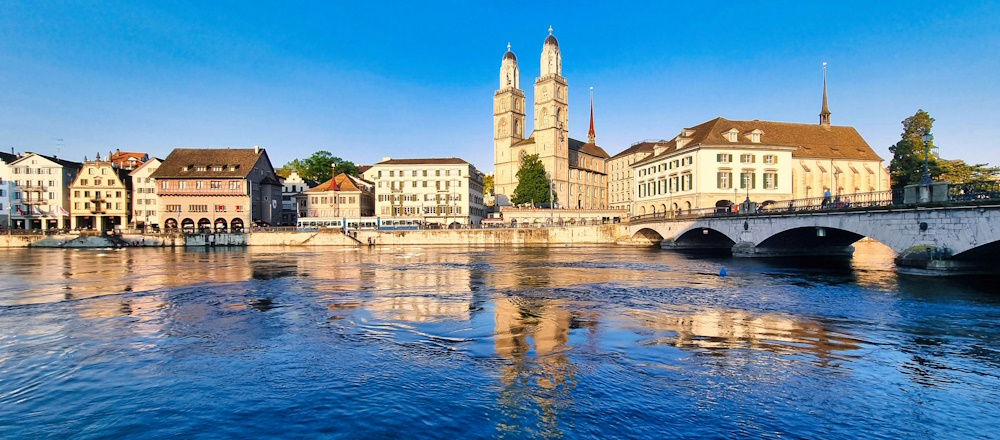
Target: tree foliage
<point>907,165</point>
<point>321,166</point>
<point>532,185</point>
<point>488,184</point>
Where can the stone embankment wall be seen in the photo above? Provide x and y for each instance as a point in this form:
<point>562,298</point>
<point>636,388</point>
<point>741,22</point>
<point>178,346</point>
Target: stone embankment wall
<point>558,236</point>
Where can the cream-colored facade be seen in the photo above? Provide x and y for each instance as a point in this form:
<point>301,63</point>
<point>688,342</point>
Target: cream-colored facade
<point>438,191</point>
<point>723,162</point>
<point>620,178</point>
<point>343,196</point>
<point>693,178</point>
<point>101,197</point>
<point>576,169</point>
<point>145,202</point>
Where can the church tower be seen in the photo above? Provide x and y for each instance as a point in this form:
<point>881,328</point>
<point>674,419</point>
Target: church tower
<point>824,113</point>
<point>551,117</point>
<point>508,123</point>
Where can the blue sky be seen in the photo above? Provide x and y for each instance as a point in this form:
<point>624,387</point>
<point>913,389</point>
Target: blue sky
<point>416,79</point>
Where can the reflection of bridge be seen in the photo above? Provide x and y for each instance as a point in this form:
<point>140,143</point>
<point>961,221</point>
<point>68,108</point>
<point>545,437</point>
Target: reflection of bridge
<point>958,233</point>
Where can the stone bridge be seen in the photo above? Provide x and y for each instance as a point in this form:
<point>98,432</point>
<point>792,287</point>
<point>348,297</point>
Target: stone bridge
<point>932,240</point>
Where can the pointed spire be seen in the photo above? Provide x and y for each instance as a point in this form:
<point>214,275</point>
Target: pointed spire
<point>508,46</point>
<point>550,29</point>
<point>824,114</point>
<point>590,134</point>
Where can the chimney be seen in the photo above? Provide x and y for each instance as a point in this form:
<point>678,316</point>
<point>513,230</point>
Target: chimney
<point>256,149</point>
<point>386,158</point>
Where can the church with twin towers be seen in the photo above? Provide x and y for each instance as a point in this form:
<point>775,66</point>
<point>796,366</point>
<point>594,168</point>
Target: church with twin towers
<point>576,169</point>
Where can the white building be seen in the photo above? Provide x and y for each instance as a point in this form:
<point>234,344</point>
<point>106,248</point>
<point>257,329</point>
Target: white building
<point>145,203</point>
<point>444,191</point>
<point>40,194</point>
<point>6,187</point>
<point>293,207</point>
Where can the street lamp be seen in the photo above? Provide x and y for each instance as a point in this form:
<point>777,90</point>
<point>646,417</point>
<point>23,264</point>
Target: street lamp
<point>927,137</point>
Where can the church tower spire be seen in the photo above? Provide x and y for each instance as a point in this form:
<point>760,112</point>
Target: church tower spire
<point>508,123</point>
<point>824,114</point>
<point>590,134</point>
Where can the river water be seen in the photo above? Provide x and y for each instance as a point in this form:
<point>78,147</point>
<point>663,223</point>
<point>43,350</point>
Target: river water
<point>494,342</point>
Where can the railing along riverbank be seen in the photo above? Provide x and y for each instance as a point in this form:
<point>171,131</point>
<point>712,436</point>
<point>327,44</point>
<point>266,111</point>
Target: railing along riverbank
<point>958,195</point>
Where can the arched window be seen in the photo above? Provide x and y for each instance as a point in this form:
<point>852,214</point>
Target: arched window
<point>557,117</point>
<point>517,128</point>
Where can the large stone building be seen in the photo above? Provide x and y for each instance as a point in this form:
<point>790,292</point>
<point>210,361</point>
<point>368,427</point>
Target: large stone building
<point>343,196</point>
<point>224,189</point>
<point>101,196</point>
<point>576,169</point>
<point>721,162</point>
<point>443,191</point>
<point>620,178</point>
<point>39,196</point>
<point>145,202</point>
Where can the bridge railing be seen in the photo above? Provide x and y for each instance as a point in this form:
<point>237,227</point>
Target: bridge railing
<point>974,192</point>
<point>846,201</point>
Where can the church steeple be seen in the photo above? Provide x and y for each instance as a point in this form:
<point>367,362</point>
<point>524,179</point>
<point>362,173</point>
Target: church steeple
<point>824,114</point>
<point>590,134</point>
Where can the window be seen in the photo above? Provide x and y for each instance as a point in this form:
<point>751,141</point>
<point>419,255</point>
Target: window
<point>201,168</point>
<point>84,182</point>
<point>723,158</point>
<point>75,193</point>
<point>118,194</point>
<point>215,184</point>
<point>199,185</point>
<point>163,185</point>
<point>770,159</point>
<point>747,158</point>
<point>748,180</point>
<point>239,208</point>
<point>52,196</point>
<point>220,208</point>
<point>198,208</point>
<point>770,180</point>
<point>181,185</point>
<point>234,185</point>
<point>173,208</point>
<point>725,180</point>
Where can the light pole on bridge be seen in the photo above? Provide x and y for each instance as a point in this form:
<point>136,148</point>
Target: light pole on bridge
<point>927,137</point>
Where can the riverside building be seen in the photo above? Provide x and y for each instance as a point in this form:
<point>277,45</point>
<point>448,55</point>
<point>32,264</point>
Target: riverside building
<point>101,196</point>
<point>343,196</point>
<point>723,162</point>
<point>445,191</point>
<point>39,196</point>
<point>620,178</point>
<point>145,202</point>
<point>221,189</point>
<point>576,169</point>
<point>293,199</point>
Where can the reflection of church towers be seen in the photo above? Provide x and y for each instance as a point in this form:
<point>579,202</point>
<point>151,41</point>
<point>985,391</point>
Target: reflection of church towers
<point>508,120</point>
<point>551,119</point>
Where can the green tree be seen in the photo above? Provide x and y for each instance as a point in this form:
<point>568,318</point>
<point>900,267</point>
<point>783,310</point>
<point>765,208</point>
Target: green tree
<point>321,166</point>
<point>907,165</point>
<point>346,167</point>
<point>488,184</point>
<point>957,171</point>
<point>532,185</point>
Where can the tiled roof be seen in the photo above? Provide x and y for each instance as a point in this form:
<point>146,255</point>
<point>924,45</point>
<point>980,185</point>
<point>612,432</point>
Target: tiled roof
<point>184,163</point>
<point>587,148</point>
<point>120,158</point>
<point>60,162</point>
<point>428,161</point>
<point>809,140</point>
<point>329,185</point>
<point>641,147</point>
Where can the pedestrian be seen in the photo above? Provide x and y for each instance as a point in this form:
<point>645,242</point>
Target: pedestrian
<point>826,197</point>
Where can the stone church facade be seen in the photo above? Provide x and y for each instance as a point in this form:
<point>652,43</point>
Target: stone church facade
<point>577,169</point>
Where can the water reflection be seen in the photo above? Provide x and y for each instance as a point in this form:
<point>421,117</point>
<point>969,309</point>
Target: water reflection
<point>538,379</point>
<point>737,329</point>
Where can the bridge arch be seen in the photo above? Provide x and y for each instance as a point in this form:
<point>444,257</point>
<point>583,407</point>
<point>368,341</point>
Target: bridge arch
<point>647,235</point>
<point>809,240</point>
<point>702,238</point>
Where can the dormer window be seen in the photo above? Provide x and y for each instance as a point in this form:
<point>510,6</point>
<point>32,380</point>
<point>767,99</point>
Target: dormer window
<point>731,135</point>
<point>202,168</point>
<point>217,168</point>
<point>755,135</point>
